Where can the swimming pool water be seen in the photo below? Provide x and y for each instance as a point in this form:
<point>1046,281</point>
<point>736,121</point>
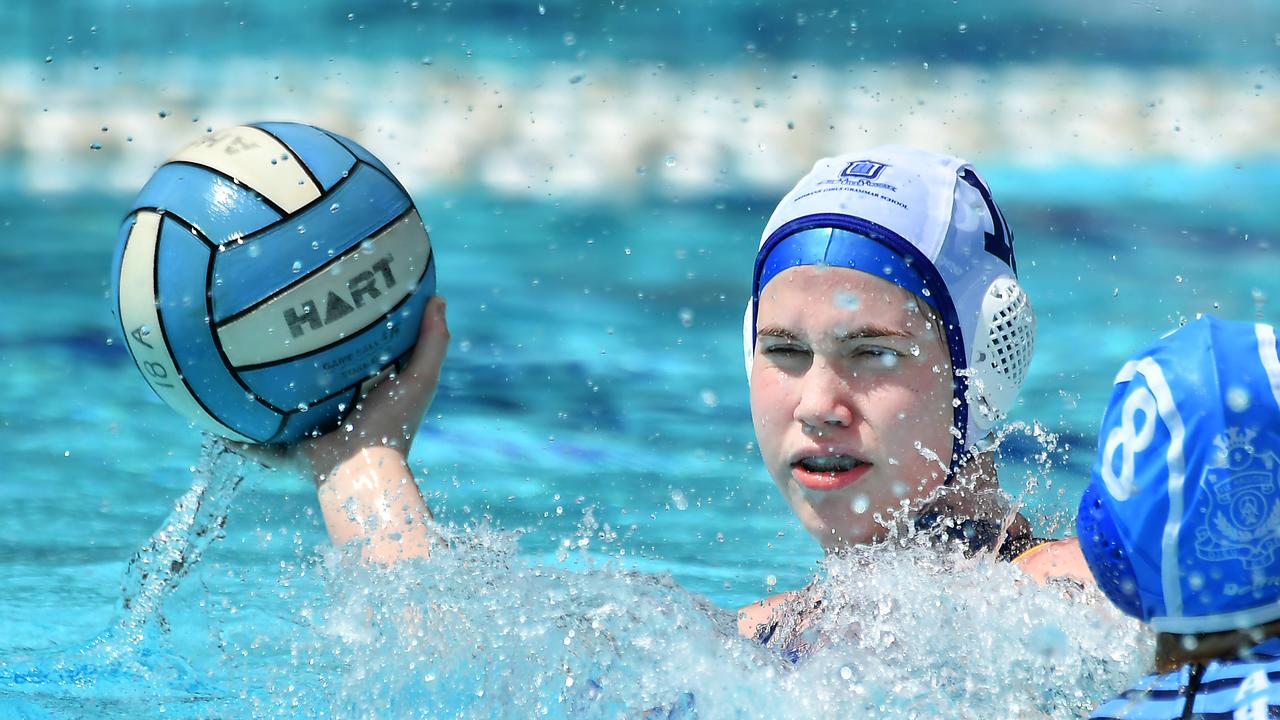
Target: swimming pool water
<point>593,398</point>
<point>594,177</point>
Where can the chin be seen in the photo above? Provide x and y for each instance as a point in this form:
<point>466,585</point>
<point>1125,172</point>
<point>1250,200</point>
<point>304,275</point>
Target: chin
<point>847,533</point>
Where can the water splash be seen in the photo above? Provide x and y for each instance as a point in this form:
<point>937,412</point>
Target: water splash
<point>904,630</point>
<point>915,628</point>
<point>479,630</point>
<point>129,668</point>
<point>197,521</point>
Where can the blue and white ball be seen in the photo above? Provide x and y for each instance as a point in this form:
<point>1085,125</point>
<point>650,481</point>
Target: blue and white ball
<point>266,276</point>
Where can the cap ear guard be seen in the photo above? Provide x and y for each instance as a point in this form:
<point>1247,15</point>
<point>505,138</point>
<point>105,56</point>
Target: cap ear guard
<point>1105,553</point>
<point>1001,355</point>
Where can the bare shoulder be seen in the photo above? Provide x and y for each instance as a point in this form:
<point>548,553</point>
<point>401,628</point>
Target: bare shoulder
<point>1056,559</point>
<point>752,616</point>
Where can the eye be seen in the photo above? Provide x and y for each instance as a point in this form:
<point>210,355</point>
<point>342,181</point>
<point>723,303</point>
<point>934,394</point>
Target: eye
<point>875,351</point>
<point>785,350</point>
<point>877,355</point>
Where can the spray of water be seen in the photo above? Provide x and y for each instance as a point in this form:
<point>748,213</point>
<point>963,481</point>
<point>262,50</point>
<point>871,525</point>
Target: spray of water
<point>901,629</point>
<point>197,521</point>
<point>130,666</point>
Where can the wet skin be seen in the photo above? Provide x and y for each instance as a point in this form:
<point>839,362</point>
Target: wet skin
<point>850,372</point>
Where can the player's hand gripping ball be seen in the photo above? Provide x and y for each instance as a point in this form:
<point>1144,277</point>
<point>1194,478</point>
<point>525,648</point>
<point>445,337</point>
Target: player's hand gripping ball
<point>266,276</point>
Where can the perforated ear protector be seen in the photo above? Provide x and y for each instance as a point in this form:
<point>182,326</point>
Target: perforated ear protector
<point>1004,342</point>
<point>1109,558</point>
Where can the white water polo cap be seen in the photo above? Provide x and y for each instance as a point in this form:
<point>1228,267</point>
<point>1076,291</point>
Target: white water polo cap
<point>927,223</point>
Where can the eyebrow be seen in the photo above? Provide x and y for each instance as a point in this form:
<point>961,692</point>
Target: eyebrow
<point>861,333</point>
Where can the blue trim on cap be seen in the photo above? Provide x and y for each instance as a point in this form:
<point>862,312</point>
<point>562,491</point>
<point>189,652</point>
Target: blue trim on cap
<point>860,244</point>
<point>841,248</point>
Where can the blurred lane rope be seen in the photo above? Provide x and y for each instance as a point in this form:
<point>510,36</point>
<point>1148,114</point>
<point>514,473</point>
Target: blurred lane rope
<point>606,129</point>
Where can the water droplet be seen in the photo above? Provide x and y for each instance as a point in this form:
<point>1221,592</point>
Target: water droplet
<point>334,207</point>
<point>48,59</point>
<point>626,251</point>
<point>771,581</point>
<point>669,161</point>
<point>302,229</point>
<point>860,503</point>
<point>576,78</point>
<point>709,398</point>
<point>351,16</point>
<point>846,300</point>
<point>1238,399</point>
<point>686,317</point>
<point>542,10</point>
<point>679,500</point>
<point>297,266</point>
<point>427,60</point>
<point>303,407</point>
<point>845,673</point>
<point>95,146</point>
<point>570,39</point>
<point>963,27</point>
<point>163,114</point>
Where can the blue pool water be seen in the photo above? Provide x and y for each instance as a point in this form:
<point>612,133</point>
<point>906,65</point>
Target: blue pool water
<point>594,192</point>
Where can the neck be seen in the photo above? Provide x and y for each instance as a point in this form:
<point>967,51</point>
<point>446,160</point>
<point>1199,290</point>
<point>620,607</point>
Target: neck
<point>972,496</point>
<point>1174,651</point>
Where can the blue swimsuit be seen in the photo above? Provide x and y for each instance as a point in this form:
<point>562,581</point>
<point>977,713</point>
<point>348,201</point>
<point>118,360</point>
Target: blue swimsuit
<point>1247,688</point>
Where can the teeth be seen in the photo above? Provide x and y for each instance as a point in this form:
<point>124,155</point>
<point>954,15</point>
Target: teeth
<point>829,463</point>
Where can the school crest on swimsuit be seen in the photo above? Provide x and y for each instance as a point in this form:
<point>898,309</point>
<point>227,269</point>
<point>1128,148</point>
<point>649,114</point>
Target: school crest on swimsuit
<point>869,169</point>
<point>1244,503</point>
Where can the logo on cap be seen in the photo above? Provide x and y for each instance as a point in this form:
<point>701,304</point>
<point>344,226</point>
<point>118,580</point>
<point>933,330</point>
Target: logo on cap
<point>1244,505</point>
<point>869,169</point>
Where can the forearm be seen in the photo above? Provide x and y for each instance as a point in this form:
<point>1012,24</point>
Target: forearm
<point>372,498</point>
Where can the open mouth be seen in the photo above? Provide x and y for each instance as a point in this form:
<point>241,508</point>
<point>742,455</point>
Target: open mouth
<point>829,463</point>
<point>828,472</point>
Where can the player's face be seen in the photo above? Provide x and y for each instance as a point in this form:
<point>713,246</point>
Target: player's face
<point>851,396</point>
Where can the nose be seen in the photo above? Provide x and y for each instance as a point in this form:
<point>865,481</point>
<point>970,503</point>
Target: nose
<point>824,399</point>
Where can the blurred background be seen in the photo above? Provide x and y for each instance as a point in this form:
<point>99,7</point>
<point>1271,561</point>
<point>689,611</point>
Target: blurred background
<point>595,177</point>
<point>546,100</point>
